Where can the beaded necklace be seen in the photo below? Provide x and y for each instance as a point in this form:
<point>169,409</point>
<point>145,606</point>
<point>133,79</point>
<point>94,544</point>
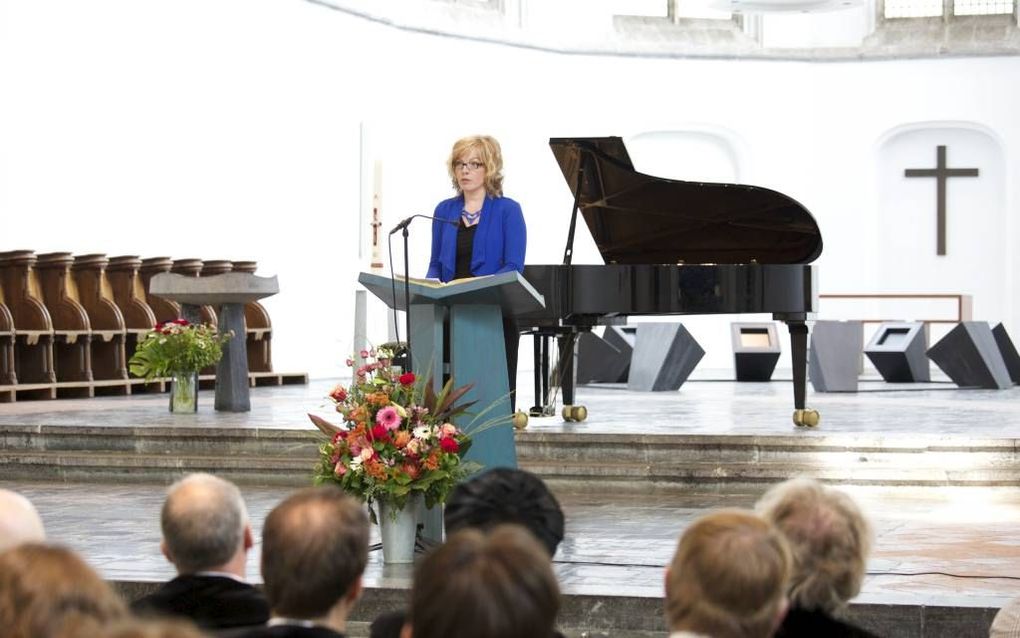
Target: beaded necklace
<point>470,218</point>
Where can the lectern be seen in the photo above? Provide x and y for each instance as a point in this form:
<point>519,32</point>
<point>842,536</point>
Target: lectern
<point>468,312</point>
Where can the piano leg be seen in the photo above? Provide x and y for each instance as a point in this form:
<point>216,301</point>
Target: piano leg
<point>798,355</point>
<point>541,373</point>
<point>568,379</point>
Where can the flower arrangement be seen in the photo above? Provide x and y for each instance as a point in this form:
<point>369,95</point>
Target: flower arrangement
<point>177,347</point>
<point>397,437</point>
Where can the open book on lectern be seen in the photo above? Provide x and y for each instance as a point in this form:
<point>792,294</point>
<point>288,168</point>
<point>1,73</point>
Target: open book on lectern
<point>510,290</point>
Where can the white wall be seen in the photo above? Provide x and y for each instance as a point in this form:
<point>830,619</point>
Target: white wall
<point>230,129</point>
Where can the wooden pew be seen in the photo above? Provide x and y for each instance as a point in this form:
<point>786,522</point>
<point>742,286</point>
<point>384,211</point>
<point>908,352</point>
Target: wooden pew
<point>7,375</point>
<point>139,318</point>
<point>72,331</point>
<point>109,333</point>
<point>164,309</point>
<point>259,329</point>
<point>33,327</point>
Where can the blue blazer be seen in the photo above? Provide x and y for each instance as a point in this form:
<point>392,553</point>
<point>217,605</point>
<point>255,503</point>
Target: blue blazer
<point>499,241</point>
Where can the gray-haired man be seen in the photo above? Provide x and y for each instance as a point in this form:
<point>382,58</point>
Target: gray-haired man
<point>206,535</point>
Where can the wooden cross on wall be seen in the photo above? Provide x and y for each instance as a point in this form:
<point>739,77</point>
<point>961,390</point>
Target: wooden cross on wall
<point>941,174</point>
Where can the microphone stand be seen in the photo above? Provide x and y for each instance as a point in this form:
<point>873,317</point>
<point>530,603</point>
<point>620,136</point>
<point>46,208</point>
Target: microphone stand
<point>403,227</point>
<point>407,300</point>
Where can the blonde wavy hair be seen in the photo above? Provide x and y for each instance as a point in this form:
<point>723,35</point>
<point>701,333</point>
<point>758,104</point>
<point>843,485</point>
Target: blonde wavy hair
<point>728,577</point>
<point>830,539</point>
<point>488,151</point>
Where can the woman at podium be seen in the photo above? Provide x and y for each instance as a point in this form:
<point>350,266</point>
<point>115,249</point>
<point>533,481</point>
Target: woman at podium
<point>481,232</point>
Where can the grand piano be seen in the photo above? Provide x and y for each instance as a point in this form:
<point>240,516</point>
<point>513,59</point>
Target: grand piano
<point>670,248</point>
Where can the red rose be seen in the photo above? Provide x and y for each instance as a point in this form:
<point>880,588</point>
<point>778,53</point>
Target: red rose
<point>380,433</point>
<point>449,444</point>
<point>407,378</point>
<point>181,322</point>
<point>338,394</point>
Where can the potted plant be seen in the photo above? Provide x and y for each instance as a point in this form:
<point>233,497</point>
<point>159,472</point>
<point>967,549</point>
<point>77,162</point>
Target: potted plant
<point>396,446</point>
<point>178,349</point>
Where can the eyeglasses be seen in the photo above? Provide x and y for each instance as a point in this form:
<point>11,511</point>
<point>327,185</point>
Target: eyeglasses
<point>474,166</point>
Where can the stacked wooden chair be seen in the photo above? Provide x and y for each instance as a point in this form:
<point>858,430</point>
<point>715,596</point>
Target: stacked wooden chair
<point>70,323</point>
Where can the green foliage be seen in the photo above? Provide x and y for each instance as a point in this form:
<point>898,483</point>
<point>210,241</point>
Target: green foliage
<point>177,347</point>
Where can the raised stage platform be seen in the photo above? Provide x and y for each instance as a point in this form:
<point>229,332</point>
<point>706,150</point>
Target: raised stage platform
<point>936,468</point>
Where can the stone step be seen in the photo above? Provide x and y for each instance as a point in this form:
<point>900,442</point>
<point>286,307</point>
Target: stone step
<point>567,475</point>
<point>632,477</point>
<point>623,463</point>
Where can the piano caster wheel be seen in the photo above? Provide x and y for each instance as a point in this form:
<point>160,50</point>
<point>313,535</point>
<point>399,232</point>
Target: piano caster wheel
<point>806,418</point>
<point>520,420</point>
<point>575,413</point>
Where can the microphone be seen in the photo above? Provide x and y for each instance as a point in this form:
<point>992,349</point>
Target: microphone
<point>406,222</point>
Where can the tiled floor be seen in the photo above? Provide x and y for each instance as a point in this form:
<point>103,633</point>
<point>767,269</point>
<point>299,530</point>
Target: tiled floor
<point>956,546</point>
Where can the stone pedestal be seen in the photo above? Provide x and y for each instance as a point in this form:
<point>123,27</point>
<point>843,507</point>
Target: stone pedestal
<point>229,292</point>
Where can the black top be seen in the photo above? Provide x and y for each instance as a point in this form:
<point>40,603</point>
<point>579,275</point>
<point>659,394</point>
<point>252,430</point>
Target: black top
<point>465,246</point>
<point>211,602</point>
<point>804,623</point>
<point>641,219</point>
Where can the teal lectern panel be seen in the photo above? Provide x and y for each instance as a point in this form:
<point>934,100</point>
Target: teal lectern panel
<point>478,355</point>
<point>427,341</point>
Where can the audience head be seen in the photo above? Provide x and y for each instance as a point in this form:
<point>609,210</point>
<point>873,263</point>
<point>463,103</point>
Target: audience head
<point>314,551</point>
<point>49,592</point>
<point>504,495</point>
<point>728,577</point>
<point>19,522</point>
<point>478,585</point>
<point>205,525</point>
<point>829,538</point>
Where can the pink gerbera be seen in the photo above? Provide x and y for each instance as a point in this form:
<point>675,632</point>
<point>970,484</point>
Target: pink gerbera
<point>388,417</point>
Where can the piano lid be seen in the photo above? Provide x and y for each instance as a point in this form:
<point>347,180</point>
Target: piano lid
<point>640,219</point>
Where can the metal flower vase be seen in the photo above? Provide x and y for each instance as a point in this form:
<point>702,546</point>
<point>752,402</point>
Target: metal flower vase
<point>398,527</point>
<point>184,393</point>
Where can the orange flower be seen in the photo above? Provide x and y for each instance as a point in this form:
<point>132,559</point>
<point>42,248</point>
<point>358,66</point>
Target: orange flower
<point>432,461</point>
<point>402,438</point>
<point>380,399</point>
<point>376,470</point>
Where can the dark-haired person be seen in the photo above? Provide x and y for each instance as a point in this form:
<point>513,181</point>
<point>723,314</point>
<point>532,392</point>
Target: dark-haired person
<point>485,585</point>
<point>495,497</point>
<point>206,535</point>
<point>314,552</point>
<point>487,236</point>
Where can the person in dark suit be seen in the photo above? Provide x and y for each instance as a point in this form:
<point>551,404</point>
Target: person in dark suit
<point>314,552</point>
<point>830,540</point>
<point>206,535</point>
<point>482,232</point>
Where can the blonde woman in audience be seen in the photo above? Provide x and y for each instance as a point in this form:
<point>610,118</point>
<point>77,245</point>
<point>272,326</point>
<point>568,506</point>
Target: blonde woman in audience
<point>49,592</point>
<point>830,539</point>
<point>19,522</point>
<point>478,585</point>
<point>727,578</point>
